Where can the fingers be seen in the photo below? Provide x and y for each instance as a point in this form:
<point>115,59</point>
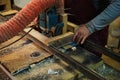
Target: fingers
<point>83,40</point>
<point>81,35</point>
<point>75,36</point>
<point>78,37</point>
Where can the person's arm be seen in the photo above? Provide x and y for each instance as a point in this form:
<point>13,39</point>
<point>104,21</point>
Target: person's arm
<point>99,22</point>
<point>105,18</point>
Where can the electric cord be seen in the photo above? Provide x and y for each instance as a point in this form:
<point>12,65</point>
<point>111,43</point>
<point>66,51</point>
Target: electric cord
<point>16,40</point>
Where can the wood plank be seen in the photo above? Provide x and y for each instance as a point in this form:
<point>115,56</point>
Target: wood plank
<point>7,4</point>
<point>43,38</point>
<point>114,34</point>
<point>12,40</point>
<point>71,26</point>
<point>64,19</point>
<point>23,57</point>
<point>46,40</point>
<point>5,49</point>
<point>37,35</point>
<point>59,37</point>
<point>113,42</point>
<point>9,12</point>
<point>111,62</point>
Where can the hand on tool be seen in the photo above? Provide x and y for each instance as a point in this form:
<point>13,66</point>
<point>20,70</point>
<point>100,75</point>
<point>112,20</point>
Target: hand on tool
<point>81,34</point>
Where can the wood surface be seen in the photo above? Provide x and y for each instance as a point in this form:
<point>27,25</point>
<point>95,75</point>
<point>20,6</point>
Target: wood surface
<point>71,26</point>
<point>36,35</point>
<point>9,12</point>
<point>43,38</point>
<point>22,57</point>
<point>114,34</point>
<point>64,19</point>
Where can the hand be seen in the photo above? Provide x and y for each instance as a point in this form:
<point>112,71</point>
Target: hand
<point>81,34</point>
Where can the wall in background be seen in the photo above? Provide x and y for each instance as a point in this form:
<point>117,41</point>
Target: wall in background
<point>21,3</point>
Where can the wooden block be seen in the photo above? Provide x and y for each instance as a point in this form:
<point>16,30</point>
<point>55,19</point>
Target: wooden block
<point>6,3</point>
<point>114,34</point>
<point>9,12</point>
<point>12,40</point>
<point>111,62</point>
<point>59,37</point>
<point>43,38</point>
<point>117,50</point>
<point>31,24</point>
<point>64,19</point>
<point>113,42</point>
<point>23,57</point>
<point>37,35</point>
<point>71,26</point>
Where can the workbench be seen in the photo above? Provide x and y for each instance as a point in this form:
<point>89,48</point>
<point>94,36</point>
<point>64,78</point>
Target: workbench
<point>26,60</point>
<point>37,57</point>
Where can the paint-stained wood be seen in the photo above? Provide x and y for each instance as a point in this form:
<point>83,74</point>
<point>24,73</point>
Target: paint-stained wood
<point>23,57</point>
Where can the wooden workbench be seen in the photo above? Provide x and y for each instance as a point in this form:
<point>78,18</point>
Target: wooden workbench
<point>21,54</point>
